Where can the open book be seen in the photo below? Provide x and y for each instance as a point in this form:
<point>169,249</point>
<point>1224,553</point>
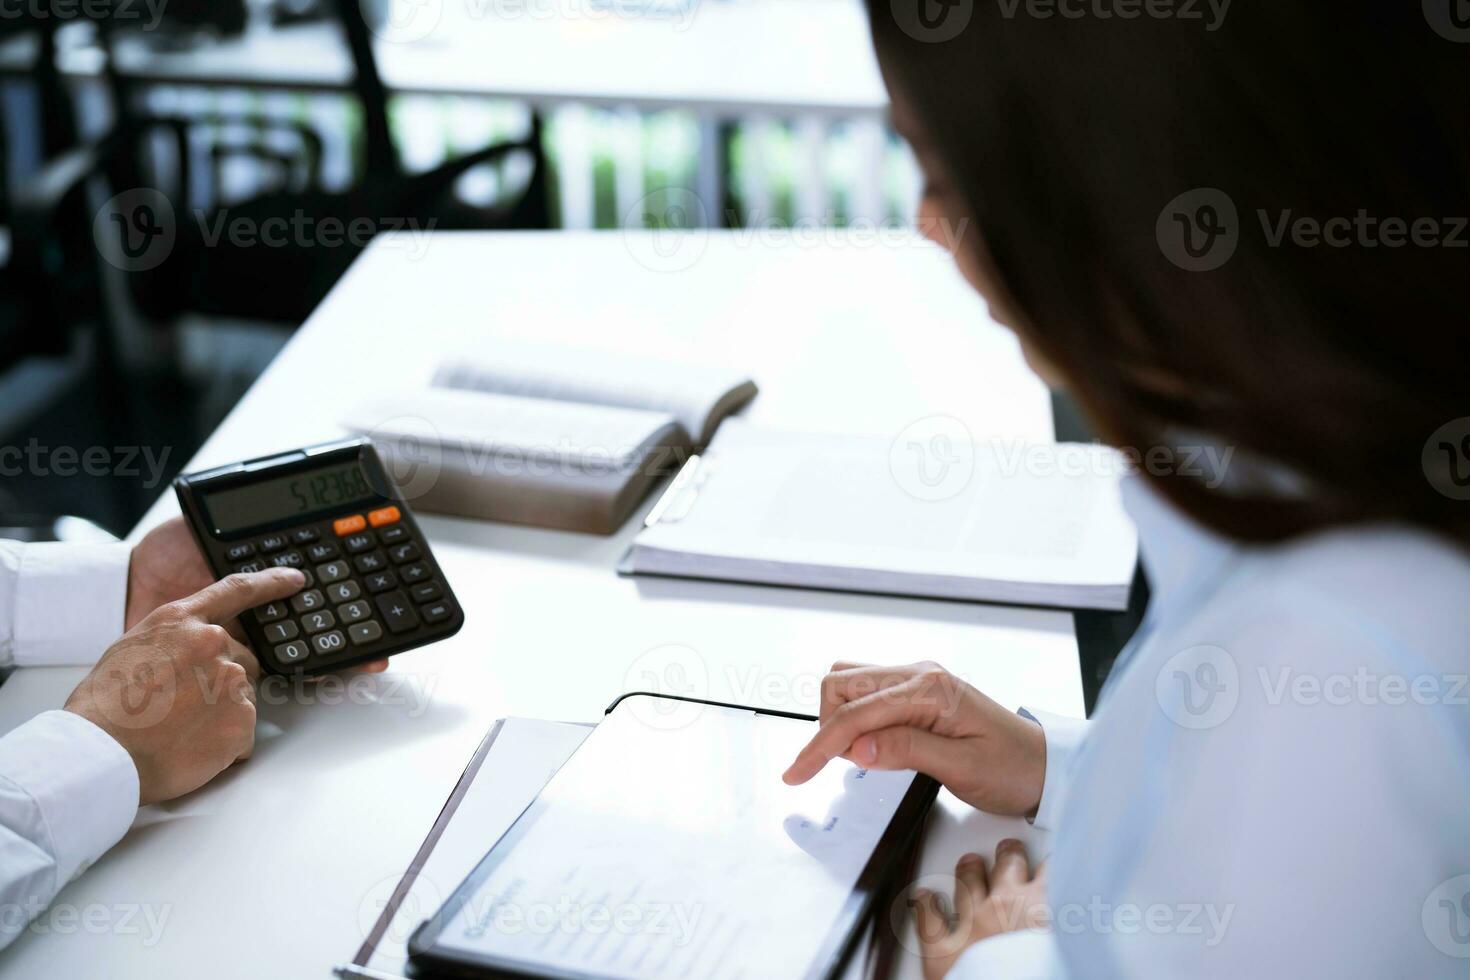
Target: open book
<point>553,436</point>
<point>1003,522</point>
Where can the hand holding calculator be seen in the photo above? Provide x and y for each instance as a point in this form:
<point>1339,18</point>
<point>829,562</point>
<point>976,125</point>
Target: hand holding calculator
<point>372,587</point>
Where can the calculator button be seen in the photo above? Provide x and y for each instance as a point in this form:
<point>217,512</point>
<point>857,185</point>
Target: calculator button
<point>329,642</point>
<point>359,543</point>
<point>414,573</point>
<point>397,611</point>
<point>305,535</point>
<point>308,600</point>
<point>332,571</point>
<point>353,611</point>
<point>381,581</point>
<point>318,621</point>
<point>425,592</point>
<point>290,653</point>
<point>393,535</point>
<point>374,562</point>
<point>238,551</point>
<point>284,630</point>
<point>344,591</point>
<point>365,632</point>
<point>323,551</point>
<point>288,559</point>
<point>403,553</point>
<point>308,579</point>
<point>384,515</point>
<point>251,566</point>
<point>348,525</point>
<point>437,612</point>
<point>270,612</point>
<point>273,543</point>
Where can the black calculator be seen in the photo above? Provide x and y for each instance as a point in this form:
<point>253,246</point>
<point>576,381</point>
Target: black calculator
<point>372,586</point>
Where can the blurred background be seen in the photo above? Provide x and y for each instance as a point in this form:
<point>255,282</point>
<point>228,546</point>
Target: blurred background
<point>133,130</point>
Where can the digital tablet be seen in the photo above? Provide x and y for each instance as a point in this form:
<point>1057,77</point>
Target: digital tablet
<point>668,846</point>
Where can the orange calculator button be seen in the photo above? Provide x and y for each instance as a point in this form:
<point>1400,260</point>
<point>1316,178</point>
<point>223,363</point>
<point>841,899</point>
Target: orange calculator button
<point>383,515</point>
<point>348,525</point>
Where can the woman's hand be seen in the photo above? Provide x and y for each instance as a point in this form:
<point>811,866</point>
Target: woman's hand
<point>923,717</point>
<point>1007,899</point>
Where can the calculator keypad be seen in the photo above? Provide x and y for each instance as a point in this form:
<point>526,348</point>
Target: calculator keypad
<point>367,580</point>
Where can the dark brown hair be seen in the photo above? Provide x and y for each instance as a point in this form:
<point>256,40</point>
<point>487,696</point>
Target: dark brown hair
<point>1067,139</point>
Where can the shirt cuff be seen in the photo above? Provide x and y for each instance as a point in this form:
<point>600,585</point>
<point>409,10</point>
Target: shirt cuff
<point>1029,954</point>
<point>1063,740</point>
<point>70,601</point>
<point>83,782</point>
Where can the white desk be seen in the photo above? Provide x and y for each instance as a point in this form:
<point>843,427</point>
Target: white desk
<point>275,869</point>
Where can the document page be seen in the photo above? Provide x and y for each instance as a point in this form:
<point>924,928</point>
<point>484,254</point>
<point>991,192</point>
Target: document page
<point>668,846</point>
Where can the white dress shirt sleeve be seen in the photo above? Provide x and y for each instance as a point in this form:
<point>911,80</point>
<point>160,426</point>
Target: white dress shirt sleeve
<point>1030,954</point>
<point>60,603</point>
<point>68,792</point>
<point>1063,741</point>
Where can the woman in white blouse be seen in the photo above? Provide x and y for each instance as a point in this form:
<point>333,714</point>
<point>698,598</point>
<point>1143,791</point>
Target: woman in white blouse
<point>1245,228</point>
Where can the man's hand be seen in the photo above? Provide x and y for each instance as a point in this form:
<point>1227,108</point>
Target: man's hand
<point>1006,899</point>
<point>166,566</point>
<point>923,717</point>
<point>177,690</point>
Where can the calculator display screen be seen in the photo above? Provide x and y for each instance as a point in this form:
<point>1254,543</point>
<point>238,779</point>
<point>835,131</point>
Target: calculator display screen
<point>285,497</point>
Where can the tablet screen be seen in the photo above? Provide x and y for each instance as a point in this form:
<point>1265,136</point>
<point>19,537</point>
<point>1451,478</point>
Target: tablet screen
<point>668,846</point>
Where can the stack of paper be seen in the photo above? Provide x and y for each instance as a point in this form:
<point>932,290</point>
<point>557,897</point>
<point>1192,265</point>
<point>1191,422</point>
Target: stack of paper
<point>998,522</point>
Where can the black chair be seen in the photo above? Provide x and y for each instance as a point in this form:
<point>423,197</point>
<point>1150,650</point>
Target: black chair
<point>219,277</point>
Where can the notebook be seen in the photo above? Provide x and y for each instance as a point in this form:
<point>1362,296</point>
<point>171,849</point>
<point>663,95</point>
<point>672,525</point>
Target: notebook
<point>551,436</point>
<point>1002,522</point>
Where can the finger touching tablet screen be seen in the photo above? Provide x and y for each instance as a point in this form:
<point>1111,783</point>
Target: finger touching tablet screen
<point>668,846</point>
